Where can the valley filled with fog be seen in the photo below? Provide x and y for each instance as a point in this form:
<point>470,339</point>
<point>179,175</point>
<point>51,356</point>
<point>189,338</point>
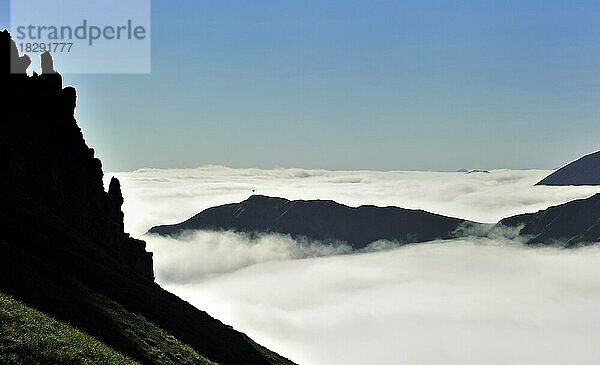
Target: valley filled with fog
<point>465,301</point>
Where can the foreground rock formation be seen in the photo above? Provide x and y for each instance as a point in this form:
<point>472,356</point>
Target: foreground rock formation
<point>42,151</point>
<point>62,241</point>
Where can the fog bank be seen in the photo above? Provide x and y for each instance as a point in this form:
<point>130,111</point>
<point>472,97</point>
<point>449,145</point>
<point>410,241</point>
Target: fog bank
<point>465,301</point>
<point>461,302</point>
<point>154,197</point>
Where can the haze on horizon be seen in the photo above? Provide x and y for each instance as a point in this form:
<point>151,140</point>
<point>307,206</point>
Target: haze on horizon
<point>416,85</point>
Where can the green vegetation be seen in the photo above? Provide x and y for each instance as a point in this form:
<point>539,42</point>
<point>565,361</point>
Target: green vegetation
<point>157,346</point>
<point>272,357</point>
<point>28,336</point>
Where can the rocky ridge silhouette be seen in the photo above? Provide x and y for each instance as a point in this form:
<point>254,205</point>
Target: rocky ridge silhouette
<point>42,150</point>
<point>62,239</point>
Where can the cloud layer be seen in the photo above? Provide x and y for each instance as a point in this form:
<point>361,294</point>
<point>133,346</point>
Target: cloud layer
<point>460,302</point>
<point>200,255</point>
<point>155,197</point>
<point>468,301</point>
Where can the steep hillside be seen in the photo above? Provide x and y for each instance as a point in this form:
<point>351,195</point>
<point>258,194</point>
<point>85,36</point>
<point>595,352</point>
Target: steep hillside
<point>28,336</point>
<point>571,224</point>
<point>584,171</point>
<point>63,247</point>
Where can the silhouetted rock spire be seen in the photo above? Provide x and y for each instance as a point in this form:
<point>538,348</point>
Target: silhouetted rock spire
<point>114,192</point>
<point>18,64</point>
<point>47,63</point>
<point>43,154</point>
<point>63,248</point>
<point>49,74</point>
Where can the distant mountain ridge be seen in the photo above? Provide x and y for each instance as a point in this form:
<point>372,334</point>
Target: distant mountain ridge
<point>584,171</point>
<point>571,224</point>
<point>322,220</point>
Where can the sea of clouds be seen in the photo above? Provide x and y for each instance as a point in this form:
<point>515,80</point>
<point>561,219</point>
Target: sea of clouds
<point>479,300</point>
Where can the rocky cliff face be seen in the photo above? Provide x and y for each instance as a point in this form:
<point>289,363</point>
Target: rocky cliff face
<point>62,242</point>
<point>44,155</point>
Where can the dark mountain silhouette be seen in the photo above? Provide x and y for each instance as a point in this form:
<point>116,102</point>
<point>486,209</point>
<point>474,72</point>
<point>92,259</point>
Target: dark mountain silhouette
<point>571,224</point>
<point>63,249</point>
<point>584,171</point>
<point>321,220</point>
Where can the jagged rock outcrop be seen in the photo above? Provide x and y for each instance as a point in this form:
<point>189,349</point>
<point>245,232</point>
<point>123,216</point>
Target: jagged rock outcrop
<point>17,64</point>
<point>61,234</point>
<point>42,151</point>
<point>584,171</point>
<point>571,224</point>
<point>322,220</point>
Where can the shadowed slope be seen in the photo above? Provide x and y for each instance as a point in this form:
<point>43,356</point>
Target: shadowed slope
<point>584,171</point>
<point>62,241</point>
<point>321,220</point>
<point>570,224</point>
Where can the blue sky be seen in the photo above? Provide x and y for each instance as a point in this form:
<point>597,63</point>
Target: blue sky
<point>427,85</point>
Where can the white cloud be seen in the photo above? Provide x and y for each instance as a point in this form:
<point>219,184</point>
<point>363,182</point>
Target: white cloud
<point>200,255</point>
<point>460,302</point>
<point>155,197</point>
<point>470,301</point>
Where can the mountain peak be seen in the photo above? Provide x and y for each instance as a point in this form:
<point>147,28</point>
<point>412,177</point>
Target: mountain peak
<point>321,220</point>
<point>584,171</point>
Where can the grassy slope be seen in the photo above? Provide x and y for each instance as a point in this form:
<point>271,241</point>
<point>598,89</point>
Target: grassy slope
<point>28,336</point>
<point>158,346</point>
<point>60,272</point>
